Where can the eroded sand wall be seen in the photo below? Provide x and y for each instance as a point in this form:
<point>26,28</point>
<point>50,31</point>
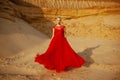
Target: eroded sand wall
<point>100,22</point>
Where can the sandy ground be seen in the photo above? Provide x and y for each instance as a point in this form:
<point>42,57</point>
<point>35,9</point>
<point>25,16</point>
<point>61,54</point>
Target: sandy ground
<point>19,43</point>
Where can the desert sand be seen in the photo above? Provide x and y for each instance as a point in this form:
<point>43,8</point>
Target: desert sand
<point>20,43</point>
<point>93,31</point>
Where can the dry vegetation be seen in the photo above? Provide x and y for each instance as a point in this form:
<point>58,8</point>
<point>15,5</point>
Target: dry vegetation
<point>70,4</point>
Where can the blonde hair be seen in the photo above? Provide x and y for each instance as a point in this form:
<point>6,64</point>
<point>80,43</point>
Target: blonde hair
<point>58,17</point>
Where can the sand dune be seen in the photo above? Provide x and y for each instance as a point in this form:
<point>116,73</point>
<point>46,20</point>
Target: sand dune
<point>17,36</point>
<point>20,43</point>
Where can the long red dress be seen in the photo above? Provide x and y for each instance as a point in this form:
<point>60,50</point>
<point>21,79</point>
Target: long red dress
<point>59,55</point>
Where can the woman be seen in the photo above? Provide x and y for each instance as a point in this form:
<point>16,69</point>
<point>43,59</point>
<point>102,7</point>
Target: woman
<point>59,56</point>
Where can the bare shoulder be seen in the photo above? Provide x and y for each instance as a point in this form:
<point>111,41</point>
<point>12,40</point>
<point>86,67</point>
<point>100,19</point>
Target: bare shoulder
<point>63,26</point>
<point>53,27</point>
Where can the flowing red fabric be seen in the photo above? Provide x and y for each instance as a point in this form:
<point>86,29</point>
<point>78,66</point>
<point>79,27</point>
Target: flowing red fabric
<point>59,56</point>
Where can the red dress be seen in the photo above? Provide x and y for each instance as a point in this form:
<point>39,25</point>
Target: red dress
<point>59,55</point>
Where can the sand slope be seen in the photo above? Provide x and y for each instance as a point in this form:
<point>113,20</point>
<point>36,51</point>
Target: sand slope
<point>20,43</point>
<point>17,36</point>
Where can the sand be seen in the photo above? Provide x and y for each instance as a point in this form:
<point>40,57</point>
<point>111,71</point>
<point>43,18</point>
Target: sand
<point>17,35</point>
<point>19,43</point>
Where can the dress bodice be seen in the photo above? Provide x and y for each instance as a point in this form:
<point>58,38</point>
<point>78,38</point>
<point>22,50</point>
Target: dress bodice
<point>59,30</point>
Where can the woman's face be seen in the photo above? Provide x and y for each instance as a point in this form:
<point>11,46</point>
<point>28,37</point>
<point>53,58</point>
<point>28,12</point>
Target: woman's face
<point>58,20</point>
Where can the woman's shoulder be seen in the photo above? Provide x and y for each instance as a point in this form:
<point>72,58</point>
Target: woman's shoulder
<point>63,26</point>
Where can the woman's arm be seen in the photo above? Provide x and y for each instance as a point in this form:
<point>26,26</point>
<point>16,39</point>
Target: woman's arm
<point>64,31</point>
<point>52,33</point>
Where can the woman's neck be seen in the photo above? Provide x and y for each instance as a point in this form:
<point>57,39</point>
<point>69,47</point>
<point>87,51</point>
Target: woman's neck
<point>58,25</point>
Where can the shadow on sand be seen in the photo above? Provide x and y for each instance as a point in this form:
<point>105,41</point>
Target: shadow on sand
<point>86,54</point>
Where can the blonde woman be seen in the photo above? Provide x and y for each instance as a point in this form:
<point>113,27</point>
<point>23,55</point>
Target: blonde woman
<point>59,56</point>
